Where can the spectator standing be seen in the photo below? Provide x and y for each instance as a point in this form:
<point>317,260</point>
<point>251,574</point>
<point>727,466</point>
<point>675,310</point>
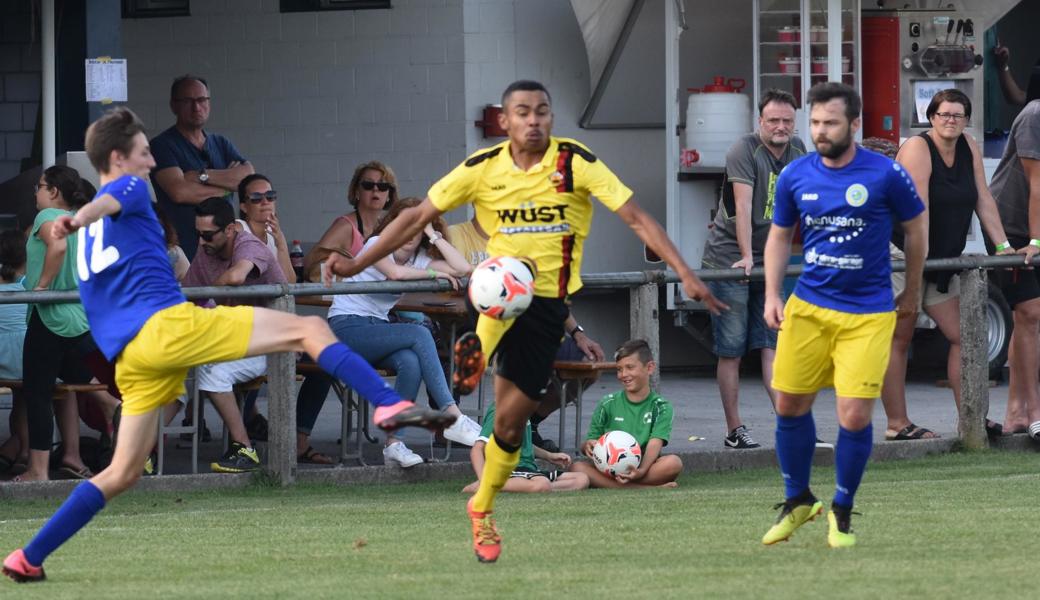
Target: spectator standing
<point>736,240</point>
<point>1016,187</point>
<point>945,165</point>
<point>57,337</point>
<point>192,164</point>
<point>230,257</point>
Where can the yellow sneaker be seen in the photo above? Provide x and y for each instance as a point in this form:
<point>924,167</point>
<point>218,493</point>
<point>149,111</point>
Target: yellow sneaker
<point>793,516</point>
<point>839,532</point>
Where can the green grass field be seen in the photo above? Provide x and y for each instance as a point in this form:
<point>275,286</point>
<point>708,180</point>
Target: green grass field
<point>960,525</point>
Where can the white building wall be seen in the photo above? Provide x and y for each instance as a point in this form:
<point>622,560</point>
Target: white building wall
<point>309,96</point>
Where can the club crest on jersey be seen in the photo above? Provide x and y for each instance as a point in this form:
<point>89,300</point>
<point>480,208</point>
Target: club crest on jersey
<point>856,195</point>
<point>556,178</point>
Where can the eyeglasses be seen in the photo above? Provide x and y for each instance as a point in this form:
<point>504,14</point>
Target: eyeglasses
<point>258,197</point>
<point>207,236</point>
<point>37,186</point>
<point>200,100</point>
<point>383,186</point>
<point>945,116</point>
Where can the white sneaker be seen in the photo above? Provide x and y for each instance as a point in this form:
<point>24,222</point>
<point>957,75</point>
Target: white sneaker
<point>464,431</point>
<point>400,454</point>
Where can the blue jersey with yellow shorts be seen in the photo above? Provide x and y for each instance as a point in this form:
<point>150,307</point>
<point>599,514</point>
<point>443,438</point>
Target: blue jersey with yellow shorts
<point>838,323</point>
<point>137,313</point>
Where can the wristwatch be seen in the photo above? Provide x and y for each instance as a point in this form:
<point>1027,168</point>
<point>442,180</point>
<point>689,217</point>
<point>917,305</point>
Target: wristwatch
<point>577,328</point>
<point>204,177</point>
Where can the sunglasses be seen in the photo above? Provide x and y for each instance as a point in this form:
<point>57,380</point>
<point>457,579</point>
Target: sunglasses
<point>207,236</point>
<point>258,197</point>
<point>383,186</point>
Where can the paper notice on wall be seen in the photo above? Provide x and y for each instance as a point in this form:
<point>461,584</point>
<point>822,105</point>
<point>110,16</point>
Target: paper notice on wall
<point>106,80</point>
<point>924,90</point>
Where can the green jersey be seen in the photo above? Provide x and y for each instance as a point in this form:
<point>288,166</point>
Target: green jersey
<point>526,446</point>
<point>64,319</point>
<point>651,418</point>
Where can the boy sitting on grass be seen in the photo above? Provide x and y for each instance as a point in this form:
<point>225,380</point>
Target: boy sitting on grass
<point>526,477</point>
<point>639,411</point>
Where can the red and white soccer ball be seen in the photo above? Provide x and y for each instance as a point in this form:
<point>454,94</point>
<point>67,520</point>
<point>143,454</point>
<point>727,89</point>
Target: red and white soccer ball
<point>501,287</point>
<point>616,452</point>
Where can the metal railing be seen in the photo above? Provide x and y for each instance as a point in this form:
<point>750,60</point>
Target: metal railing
<point>643,322</point>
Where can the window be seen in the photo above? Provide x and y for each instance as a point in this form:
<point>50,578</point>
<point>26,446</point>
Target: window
<point>146,9</point>
<point>319,5</point>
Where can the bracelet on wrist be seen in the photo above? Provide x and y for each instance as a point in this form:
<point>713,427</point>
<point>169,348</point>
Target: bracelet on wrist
<point>431,272</point>
<point>1034,242</point>
<point>1005,245</point>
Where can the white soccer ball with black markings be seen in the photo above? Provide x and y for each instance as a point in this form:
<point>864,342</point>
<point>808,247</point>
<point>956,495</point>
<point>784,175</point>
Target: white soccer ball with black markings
<point>501,287</point>
<point>616,452</point>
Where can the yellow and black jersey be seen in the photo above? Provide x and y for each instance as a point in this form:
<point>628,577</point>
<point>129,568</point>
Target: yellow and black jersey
<point>543,214</point>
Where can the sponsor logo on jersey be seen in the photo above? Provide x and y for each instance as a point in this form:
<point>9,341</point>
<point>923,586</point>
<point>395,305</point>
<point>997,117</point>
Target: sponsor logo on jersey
<point>807,196</point>
<point>528,213</point>
<point>856,195</point>
<point>849,261</point>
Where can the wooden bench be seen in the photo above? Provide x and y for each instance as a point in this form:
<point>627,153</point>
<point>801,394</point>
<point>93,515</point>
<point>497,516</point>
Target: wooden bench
<point>354,408</point>
<point>573,373</point>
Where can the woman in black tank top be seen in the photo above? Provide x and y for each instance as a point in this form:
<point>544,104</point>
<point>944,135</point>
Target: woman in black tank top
<point>946,167</point>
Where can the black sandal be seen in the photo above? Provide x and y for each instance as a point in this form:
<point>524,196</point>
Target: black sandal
<point>910,432</point>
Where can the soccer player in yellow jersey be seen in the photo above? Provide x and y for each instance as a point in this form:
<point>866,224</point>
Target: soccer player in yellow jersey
<point>532,193</point>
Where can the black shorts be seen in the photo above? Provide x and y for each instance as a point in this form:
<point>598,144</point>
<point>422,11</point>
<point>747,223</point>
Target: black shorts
<point>1018,285</point>
<point>526,353</point>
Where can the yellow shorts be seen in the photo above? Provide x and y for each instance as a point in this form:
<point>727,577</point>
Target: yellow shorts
<point>819,347</point>
<point>150,370</point>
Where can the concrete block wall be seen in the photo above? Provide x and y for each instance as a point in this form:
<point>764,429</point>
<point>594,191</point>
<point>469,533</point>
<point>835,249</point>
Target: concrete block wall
<point>19,84</point>
<point>309,96</point>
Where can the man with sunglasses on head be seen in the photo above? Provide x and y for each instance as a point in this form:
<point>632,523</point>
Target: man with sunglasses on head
<point>229,256</point>
<point>192,164</point>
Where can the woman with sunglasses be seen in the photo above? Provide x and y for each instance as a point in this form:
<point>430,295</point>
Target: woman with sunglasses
<point>57,337</point>
<point>946,167</point>
<point>372,190</point>
<point>256,207</point>
<point>362,321</point>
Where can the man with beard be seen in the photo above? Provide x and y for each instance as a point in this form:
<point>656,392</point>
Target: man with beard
<point>230,257</point>
<point>838,323</point>
<point>736,241</point>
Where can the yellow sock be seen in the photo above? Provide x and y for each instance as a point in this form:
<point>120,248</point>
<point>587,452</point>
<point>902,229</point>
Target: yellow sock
<point>498,465</point>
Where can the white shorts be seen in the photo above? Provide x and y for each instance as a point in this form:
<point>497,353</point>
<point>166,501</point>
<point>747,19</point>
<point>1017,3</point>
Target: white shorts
<point>222,376</point>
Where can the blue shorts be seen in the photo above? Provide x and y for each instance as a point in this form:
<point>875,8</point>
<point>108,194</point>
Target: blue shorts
<point>742,328</point>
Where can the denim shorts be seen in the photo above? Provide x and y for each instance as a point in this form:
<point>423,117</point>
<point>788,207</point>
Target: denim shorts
<point>742,328</point>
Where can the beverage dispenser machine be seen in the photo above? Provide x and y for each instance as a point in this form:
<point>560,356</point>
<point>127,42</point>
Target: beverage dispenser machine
<point>908,56</point>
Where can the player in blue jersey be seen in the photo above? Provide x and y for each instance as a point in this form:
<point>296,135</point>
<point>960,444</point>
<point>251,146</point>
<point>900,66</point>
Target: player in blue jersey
<point>141,320</point>
<point>836,329</point>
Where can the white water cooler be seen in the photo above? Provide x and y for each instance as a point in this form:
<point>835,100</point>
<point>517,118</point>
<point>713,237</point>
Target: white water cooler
<point>716,116</point>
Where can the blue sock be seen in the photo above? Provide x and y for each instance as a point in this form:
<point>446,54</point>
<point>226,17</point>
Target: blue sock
<point>795,444</point>
<point>79,508</point>
<point>850,461</point>
<point>350,368</point>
